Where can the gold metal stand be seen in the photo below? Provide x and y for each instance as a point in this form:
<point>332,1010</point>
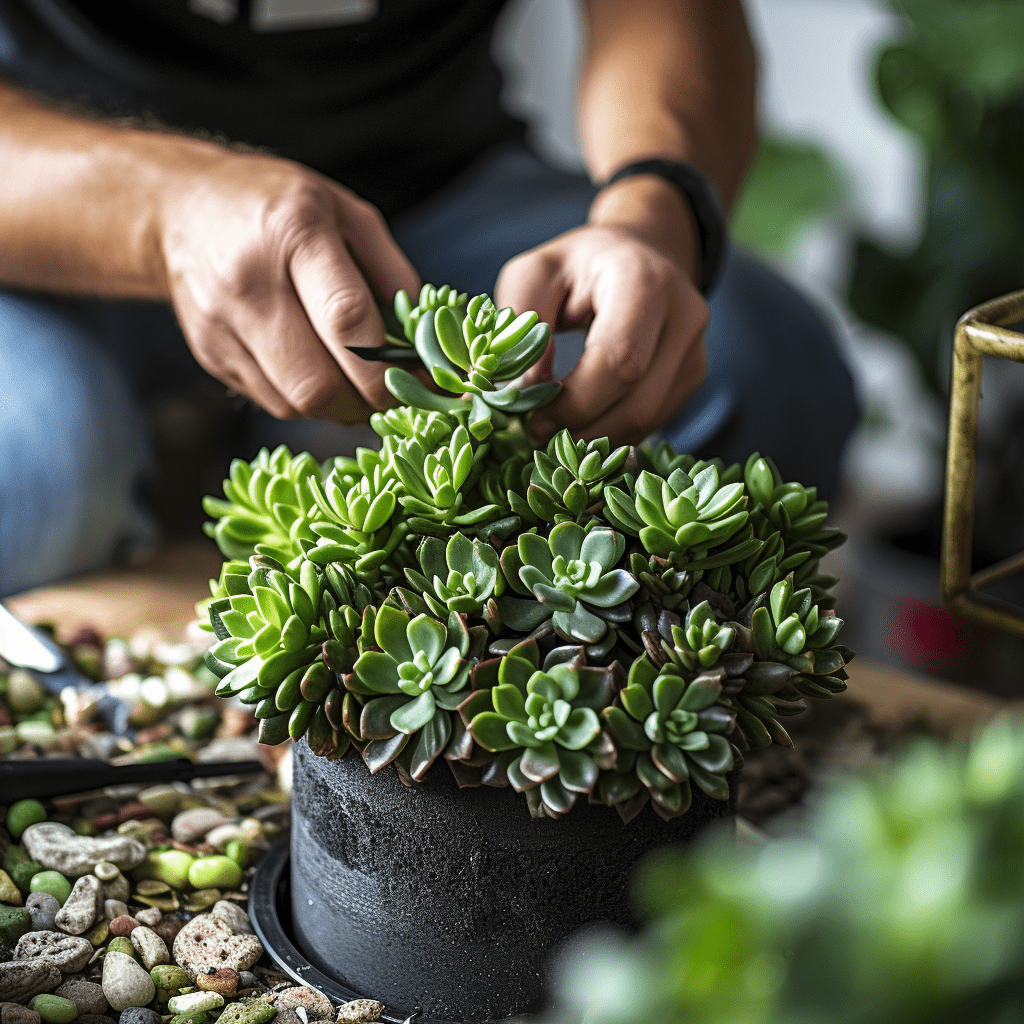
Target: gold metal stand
<point>980,332</point>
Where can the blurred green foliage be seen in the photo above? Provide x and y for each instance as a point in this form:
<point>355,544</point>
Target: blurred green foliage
<point>954,79</point>
<point>899,899</point>
<point>792,185</point>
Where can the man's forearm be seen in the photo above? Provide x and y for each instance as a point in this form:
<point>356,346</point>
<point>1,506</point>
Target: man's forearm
<point>670,78</point>
<point>79,206</point>
<point>666,78</point>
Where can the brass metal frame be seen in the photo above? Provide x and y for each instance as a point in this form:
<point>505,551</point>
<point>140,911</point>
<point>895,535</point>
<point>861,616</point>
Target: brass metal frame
<point>981,331</point>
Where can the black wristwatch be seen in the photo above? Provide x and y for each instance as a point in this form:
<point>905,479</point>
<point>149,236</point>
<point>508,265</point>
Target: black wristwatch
<point>699,191</point>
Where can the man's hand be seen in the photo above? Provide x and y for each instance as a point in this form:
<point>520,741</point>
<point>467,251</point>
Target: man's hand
<point>629,275</point>
<point>273,271</point>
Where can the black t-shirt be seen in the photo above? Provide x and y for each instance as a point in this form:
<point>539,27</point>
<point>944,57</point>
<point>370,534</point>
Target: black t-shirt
<point>390,97</point>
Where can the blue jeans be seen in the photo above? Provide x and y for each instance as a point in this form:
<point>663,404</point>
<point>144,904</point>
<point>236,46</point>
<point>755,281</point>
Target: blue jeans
<point>75,374</point>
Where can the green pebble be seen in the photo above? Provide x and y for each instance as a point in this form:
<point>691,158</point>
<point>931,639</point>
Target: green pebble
<point>198,1017</point>
<point>8,740</point>
<point>21,867</point>
<point>167,976</point>
<point>122,944</point>
<point>52,882</point>
<point>170,866</point>
<point>22,814</point>
<point>14,922</point>
<point>252,1011</point>
<point>54,1009</point>
<point>238,852</point>
<point>216,872</point>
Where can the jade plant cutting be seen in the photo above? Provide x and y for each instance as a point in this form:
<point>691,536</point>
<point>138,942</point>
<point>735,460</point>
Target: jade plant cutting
<point>576,620</point>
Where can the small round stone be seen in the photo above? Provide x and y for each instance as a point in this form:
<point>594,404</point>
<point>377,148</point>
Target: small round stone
<point>188,826</point>
<point>223,980</point>
<point>168,866</point>
<point>316,1004</point>
<point>21,814</point>
<point>251,1011</point>
<point>15,1013</point>
<point>105,871</point>
<point>125,983</point>
<point>54,1009</point>
<point>170,978</point>
<point>246,979</point>
<point>42,910</point>
<point>216,872</point>
<point>233,916</point>
<point>139,1015</point>
<point>52,882</point>
<point>122,944</point>
<point>195,1002</point>
<point>149,916</point>
<point>123,925</point>
<point>113,909</point>
<point>9,892</point>
<point>151,949</point>
<point>86,995</point>
<point>358,1010</point>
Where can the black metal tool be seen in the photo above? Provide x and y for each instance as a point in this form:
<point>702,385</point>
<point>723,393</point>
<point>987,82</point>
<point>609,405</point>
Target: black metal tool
<point>57,776</point>
<point>30,649</point>
<point>399,355</point>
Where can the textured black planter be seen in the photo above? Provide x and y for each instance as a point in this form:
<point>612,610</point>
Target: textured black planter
<point>450,901</point>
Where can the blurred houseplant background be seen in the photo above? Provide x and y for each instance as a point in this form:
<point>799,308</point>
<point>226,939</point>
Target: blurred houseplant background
<point>889,185</point>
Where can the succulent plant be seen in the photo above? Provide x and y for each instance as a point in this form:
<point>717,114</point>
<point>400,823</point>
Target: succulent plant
<point>412,683</point>
<point>682,515</point>
<point>669,731</point>
<point>570,572</point>
<point>550,720</point>
<point>461,596</point>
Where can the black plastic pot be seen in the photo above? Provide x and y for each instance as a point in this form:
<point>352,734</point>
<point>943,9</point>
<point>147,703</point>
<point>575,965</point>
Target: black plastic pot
<point>449,902</point>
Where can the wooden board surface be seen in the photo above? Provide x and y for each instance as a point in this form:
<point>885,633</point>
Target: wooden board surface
<point>163,591</point>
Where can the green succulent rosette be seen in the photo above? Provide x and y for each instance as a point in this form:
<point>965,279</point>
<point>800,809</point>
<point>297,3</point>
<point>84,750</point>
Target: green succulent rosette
<point>572,576</point>
<point>411,683</point>
<point>547,724</point>
<point>669,732</point>
<point>460,595</point>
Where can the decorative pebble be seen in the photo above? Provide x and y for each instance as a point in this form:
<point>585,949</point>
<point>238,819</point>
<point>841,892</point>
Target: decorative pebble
<point>54,1009</point>
<point>58,847</point>
<point>246,979</point>
<point>125,983</point>
<point>9,892</point>
<point>195,1002</point>
<point>316,1004</point>
<point>15,1013</point>
<point>168,928</point>
<point>52,882</point>
<point>139,1015</point>
<point>217,871</point>
<point>233,916</point>
<point>70,953</point>
<point>122,944</point>
<point>193,1017</point>
<point>21,979</point>
<point>152,950</point>
<point>42,908</point>
<point>82,907</point>
<point>220,836</point>
<point>21,814</point>
<point>86,995</point>
<point>162,800</point>
<point>99,933</point>
<point>249,1011</point>
<point>224,980</point>
<point>148,916</point>
<point>188,826</point>
<point>201,899</point>
<point>105,871</point>
<point>14,922</point>
<point>114,908</point>
<point>169,978</point>
<point>123,925</point>
<point>206,943</point>
<point>168,866</point>
<point>358,1010</point>
<point>24,694</point>
<point>93,1018</point>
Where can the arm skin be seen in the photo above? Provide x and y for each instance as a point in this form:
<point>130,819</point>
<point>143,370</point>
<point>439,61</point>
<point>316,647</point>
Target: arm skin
<point>271,268</point>
<point>662,78</point>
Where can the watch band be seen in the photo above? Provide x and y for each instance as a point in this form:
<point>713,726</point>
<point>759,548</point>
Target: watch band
<point>699,191</point>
